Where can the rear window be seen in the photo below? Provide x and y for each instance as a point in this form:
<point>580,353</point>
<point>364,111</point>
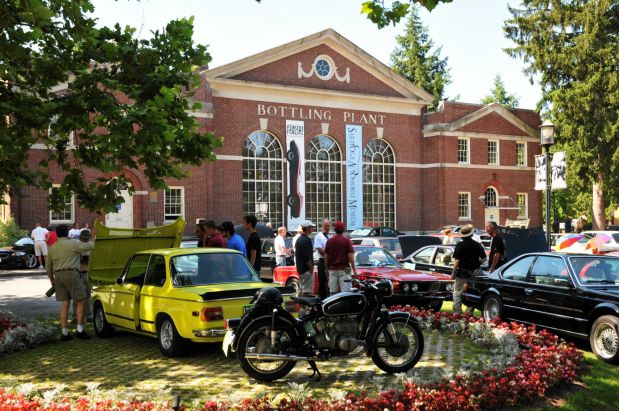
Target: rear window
<point>595,270</point>
<point>212,268</point>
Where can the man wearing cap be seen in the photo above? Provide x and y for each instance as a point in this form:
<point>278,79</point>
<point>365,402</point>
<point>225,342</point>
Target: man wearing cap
<point>304,259</point>
<point>320,241</point>
<point>63,264</point>
<point>468,256</point>
<point>339,261</point>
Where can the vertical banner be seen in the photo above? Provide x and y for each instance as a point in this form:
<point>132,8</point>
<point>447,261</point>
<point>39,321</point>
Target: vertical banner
<point>558,170</point>
<point>295,156</point>
<point>354,177</point>
<point>540,172</point>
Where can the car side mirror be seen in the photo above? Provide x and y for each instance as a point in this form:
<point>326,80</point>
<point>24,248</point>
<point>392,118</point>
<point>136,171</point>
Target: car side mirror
<point>119,280</point>
<point>560,282</point>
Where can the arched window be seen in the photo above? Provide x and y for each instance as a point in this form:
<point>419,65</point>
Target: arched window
<point>323,180</point>
<point>490,198</point>
<point>378,184</point>
<point>263,178</point>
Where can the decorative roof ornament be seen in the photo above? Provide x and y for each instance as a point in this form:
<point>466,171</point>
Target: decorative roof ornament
<point>324,68</point>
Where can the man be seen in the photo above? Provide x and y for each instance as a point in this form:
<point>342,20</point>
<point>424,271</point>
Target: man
<point>468,256</point>
<point>281,251</point>
<point>295,238</point>
<point>39,235</point>
<point>339,259</point>
<point>320,240</point>
<point>233,240</point>
<point>304,259</point>
<point>254,244</point>
<point>214,237</point>
<point>74,233</point>
<point>84,237</point>
<point>497,247</point>
<point>51,237</point>
<point>63,271</point>
<point>200,233</point>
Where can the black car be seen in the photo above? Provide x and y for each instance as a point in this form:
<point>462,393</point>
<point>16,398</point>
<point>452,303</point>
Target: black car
<point>267,262</point>
<point>571,294</point>
<point>20,254</point>
<point>434,258</point>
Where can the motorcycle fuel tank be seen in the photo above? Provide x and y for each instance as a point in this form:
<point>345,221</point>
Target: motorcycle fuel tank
<point>344,304</point>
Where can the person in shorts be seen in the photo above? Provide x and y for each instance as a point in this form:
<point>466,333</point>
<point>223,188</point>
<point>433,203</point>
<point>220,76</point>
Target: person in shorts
<point>304,259</point>
<point>468,256</point>
<point>39,236</point>
<point>84,237</point>
<point>339,261</point>
<point>63,265</point>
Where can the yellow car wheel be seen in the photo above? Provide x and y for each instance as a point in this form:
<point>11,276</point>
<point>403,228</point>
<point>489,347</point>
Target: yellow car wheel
<point>171,344</point>
<point>102,327</point>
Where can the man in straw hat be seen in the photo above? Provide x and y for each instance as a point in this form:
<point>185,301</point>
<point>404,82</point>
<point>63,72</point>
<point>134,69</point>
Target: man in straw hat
<point>468,256</point>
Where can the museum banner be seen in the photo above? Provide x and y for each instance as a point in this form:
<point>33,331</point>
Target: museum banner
<point>295,156</point>
<point>354,177</point>
<point>540,172</point>
<point>558,170</point>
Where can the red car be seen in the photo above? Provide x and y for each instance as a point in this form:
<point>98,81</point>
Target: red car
<point>421,289</point>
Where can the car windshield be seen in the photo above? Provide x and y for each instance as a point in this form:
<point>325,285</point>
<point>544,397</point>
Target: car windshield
<point>24,241</point>
<point>595,270</point>
<point>361,232</point>
<point>211,268</point>
<point>374,257</point>
<point>392,244</point>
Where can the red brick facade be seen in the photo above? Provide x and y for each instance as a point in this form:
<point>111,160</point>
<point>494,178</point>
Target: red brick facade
<point>262,92</point>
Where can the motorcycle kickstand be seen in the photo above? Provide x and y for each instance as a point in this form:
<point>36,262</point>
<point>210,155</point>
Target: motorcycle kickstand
<point>315,370</point>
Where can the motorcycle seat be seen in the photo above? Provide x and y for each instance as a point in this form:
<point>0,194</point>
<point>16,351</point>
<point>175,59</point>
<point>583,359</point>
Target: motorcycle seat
<point>310,301</point>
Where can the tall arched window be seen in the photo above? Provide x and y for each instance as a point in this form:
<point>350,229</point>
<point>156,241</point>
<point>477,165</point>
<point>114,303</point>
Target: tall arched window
<point>323,180</point>
<point>263,178</point>
<point>378,184</point>
<point>490,197</point>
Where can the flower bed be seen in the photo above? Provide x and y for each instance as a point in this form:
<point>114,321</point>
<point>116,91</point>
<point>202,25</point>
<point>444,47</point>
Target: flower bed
<point>523,365</point>
<point>18,334</point>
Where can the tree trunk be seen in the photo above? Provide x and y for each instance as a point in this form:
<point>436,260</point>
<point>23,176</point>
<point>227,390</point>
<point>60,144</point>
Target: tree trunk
<point>599,204</point>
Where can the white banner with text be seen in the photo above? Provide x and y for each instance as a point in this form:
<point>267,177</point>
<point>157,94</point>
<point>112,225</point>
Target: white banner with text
<point>354,177</point>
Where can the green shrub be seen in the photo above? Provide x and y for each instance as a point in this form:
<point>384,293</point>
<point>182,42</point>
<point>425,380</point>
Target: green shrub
<point>10,232</point>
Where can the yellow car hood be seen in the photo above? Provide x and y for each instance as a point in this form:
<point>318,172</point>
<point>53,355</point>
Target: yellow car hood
<point>114,247</point>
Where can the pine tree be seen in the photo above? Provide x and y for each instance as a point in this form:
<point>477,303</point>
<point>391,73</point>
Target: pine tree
<point>498,94</point>
<point>414,59</point>
<point>571,48</point>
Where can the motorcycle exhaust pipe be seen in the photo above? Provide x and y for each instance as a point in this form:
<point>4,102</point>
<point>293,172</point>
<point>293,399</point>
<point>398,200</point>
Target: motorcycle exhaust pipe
<point>265,356</point>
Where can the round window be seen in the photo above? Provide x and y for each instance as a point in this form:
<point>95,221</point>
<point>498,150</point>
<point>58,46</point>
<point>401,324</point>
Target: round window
<point>323,67</point>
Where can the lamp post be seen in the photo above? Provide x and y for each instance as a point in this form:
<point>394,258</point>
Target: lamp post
<point>547,131</point>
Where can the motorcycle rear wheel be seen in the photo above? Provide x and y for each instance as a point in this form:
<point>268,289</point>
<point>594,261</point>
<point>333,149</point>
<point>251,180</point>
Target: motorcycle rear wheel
<point>257,339</point>
<point>402,353</point>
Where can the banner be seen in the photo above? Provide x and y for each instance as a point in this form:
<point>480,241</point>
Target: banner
<point>354,177</point>
<point>540,172</point>
<point>295,156</point>
<point>558,170</point>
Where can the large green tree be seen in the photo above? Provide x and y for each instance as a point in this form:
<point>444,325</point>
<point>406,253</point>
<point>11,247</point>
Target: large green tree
<point>124,100</point>
<point>415,59</point>
<point>382,15</point>
<point>499,94</point>
<point>571,48</point>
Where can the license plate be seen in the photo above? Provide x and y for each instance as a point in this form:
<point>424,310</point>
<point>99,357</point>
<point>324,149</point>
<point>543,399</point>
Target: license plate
<point>228,340</point>
<point>247,308</point>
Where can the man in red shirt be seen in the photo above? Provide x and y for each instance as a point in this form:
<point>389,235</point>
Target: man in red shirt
<point>215,238</point>
<point>339,260</point>
<point>51,237</point>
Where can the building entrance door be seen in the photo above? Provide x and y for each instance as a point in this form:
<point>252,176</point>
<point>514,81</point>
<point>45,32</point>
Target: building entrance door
<point>123,218</point>
<point>491,214</point>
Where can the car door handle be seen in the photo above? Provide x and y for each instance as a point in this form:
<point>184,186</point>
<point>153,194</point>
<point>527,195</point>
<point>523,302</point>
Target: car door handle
<point>528,291</point>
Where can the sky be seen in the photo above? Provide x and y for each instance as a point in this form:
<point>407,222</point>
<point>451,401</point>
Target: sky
<point>469,32</point>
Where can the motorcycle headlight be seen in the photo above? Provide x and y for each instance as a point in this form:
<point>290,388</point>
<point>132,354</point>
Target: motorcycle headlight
<point>414,287</point>
<point>449,287</point>
<point>405,288</point>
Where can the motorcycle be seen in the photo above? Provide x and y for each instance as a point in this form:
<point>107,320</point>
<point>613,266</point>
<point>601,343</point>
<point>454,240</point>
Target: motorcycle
<point>268,340</point>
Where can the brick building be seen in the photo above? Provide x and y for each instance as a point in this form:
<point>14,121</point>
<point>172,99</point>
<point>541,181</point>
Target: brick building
<point>317,128</point>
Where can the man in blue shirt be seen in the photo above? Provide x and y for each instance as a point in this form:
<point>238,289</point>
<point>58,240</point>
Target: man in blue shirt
<point>234,241</point>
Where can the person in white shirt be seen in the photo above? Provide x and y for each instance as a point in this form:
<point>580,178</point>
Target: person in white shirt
<point>281,252</point>
<point>38,235</point>
<point>295,238</point>
<point>74,233</point>
<point>320,242</point>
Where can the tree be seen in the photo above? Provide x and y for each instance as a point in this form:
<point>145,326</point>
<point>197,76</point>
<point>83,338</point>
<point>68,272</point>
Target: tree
<point>414,59</point>
<point>383,16</point>
<point>498,94</point>
<point>572,49</point>
<point>126,101</point>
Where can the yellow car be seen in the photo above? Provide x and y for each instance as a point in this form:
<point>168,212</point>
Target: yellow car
<point>174,294</point>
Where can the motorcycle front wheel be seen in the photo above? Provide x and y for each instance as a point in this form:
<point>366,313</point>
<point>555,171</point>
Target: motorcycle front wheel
<point>256,339</point>
<point>399,354</point>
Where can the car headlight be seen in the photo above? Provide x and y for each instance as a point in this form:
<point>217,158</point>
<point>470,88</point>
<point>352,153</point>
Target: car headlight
<point>405,288</point>
<point>449,287</point>
<point>414,287</point>
<point>19,253</point>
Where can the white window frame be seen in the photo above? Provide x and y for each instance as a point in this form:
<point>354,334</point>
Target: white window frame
<point>165,196</point>
<point>51,213</point>
<point>498,153</point>
<point>468,150</point>
<point>524,144</point>
<point>526,205</point>
<point>468,206</point>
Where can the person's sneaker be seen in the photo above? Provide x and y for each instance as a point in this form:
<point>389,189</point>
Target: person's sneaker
<point>41,266</point>
<point>67,337</point>
<point>82,335</point>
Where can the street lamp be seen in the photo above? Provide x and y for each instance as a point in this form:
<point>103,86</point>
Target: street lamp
<point>547,131</point>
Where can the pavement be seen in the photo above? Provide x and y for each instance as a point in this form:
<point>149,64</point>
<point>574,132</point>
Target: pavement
<point>22,272</point>
<point>23,293</point>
